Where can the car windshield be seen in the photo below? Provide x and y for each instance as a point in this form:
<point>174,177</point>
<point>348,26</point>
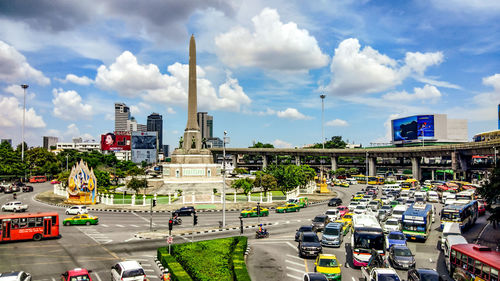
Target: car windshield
<point>310,238</point>
<point>80,278</point>
<point>396,236</point>
<point>331,231</point>
<point>388,277</point>
<point>347,216</point>
<point>402,252</point>
<point>319,219</point>
<point>305,228</point>
<point>328,262</point>
<point>331,212</point>
<point>425,276</point>
<point>360,207</point>
<point>386,207</point>
<point>391,222</point>
<point>373,203</point>
<point>133,272</point>
<point>398,212</point>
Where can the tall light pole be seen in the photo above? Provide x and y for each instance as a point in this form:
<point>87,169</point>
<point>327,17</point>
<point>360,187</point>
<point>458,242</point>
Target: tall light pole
<point>24,86</point>
<point>224,180</point>
<point>67,163</point>
<point>323,119</point>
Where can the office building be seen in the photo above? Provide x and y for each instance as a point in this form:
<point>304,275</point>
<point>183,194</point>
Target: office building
<point>133,126</point>
<point>49,142</point>
<point>79,146</point>
<point>214,142</point>
<point>122,115</point>
<point>155,124</point>
<point>206,124</point>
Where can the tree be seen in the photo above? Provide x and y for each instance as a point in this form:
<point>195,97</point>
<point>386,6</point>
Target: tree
<point>340,172</point>
<point>245,184</point>
<point>353,171</point>
<point>103,178</point>
<point>334,142</point>
<point>262,145</point>
<point>136,184</point>
<point>491,193</point>
<point>268,182</point>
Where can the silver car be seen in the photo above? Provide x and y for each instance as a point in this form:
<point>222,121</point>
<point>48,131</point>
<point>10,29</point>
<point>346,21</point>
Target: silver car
<point>77,210</point>
<point>15,276</point>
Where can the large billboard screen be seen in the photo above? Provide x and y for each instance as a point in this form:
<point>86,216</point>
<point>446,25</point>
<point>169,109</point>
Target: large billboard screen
<point>115,142</point>
<point>144,147</point>
<point>413,127</point>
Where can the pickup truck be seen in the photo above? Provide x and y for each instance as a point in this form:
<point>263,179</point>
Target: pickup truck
<point>379,273</point>
<point>14,206</point>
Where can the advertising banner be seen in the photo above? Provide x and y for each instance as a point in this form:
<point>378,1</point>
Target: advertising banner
<point>115,142</point>
<point>413,127</point>
<point>144,147</point>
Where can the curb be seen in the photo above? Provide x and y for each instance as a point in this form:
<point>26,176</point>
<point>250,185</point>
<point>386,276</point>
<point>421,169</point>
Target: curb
<point>158,263</point>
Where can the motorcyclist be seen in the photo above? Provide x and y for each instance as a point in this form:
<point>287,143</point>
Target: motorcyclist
<point>176,218</point>
<point>14,195</point>
<point>261,229</point>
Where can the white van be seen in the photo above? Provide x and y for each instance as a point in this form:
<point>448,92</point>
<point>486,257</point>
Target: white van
<point>432,196</point>
<point>405,194</point>
<point>420,194</point>
<point>447,196</point>
<point>450,241</point>
<point>390,187</point>
<point>398,211</point>
<point>449,228</point>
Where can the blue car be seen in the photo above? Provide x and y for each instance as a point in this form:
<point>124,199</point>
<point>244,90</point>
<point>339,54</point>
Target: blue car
<point>395,238</point>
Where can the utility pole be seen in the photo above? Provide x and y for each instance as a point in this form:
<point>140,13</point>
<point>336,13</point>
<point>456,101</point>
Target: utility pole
<point>24,86</point>
<point>224,180</point>
<point>323,119</point>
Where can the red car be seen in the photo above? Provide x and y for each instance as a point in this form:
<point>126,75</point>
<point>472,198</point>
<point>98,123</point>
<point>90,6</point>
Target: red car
<point>55,181</point>
<point>481,209</point>
<point>80,274</point>
<point>343,210</point>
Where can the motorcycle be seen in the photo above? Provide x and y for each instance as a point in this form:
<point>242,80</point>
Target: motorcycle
<point>14,196</point>
<point>261,234</point>
<point>177,221</point>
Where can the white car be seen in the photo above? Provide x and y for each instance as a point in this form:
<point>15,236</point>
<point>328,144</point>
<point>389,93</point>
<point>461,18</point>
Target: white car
<point>391,224</point>
<point>333,214</point>
<point>448,196</point>
<point>432,196</point>
<point>15,206</point>
<point>398,211</point>
<point>352,205</point>
<point>361,209</point>
<point>77,210</point>
<point>364,201</point>
<point>127,271</point>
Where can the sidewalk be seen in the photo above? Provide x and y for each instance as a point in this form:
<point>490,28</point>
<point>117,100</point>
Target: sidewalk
<point>489,236</point>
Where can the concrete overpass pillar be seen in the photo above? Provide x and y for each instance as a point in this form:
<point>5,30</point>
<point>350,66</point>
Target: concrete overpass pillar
<point>297,160</point>
<point>372,166</point>
<point>333,161</point>
<point>415,168</point>
<point>234,158</point>
<point>264,162</point>
<point>454,164</point>
<point>433,174</point>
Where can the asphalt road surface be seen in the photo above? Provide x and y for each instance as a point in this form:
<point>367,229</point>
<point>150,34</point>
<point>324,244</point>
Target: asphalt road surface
<point>98,247</point>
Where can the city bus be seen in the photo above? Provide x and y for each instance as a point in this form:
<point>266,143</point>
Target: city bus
<point>472,262</point>
<point>361,179</point>
<point>35,179</point>
<point>410,183</point>
<point>367,234</point>
<point>417,221</point>
<point>34,226</point>
<point>378,180</point>
<point>464,214</point>
<point>468,195</point>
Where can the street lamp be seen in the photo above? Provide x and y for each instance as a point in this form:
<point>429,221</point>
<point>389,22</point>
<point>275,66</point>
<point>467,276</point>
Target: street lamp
<point>323,119</point>
<point>24,86</point>
<point>224,180</point>
<point>66,162</point>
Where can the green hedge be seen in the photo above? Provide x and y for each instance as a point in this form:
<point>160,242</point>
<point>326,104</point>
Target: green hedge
<point>175,269</point>
<point>219,259</point>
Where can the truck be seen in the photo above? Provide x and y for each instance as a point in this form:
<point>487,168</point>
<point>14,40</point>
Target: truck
<point>378,269</point>
<point>14,206</point>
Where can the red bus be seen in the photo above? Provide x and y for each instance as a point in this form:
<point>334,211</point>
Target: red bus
<point>38,179</point>
<point>29,226</point>
<point>470,262</point>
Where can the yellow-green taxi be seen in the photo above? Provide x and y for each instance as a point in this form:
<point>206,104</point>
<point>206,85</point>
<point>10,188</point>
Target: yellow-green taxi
<point>329,266</point>
<point>345,226</point>
<point>289,207</point>
<point>252,212</point>
<point>83,219</point>
<point>347,219</point>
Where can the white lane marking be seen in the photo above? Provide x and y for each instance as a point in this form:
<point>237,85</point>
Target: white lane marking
<point>185,238</point>
<point>296,263</point>
<point>133,225</point>
<point>353,279</point>
<point>145,219</point>
<point>287,222</point>
<point>133,238</point>
<point>119,225</point>
<point>294,269</point>
<point>53,279</point>
<point>295,257</point>
<point>294,277</point>
<point>104,225</point>
<point>290,244</point>
<point>149,270</point>
<point>97,276</point>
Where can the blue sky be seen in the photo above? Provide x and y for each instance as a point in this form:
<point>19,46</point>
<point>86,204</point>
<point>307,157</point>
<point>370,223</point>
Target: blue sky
<point>262,66</point>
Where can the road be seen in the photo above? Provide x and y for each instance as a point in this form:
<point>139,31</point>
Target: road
<point>98,247</point>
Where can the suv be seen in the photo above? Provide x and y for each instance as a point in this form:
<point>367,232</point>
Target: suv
<point>15,276</point>
<point>80,274</point>
<point>319,222</point>
<point>127,271</point>
<point>76,210</point>
<point>185,211</point>
<point>309,244</point>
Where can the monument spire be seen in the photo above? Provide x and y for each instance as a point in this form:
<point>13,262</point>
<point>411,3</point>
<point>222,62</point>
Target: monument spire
<point>192,123</point>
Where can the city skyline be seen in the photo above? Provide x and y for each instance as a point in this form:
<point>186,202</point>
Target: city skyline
<point>261,67</point>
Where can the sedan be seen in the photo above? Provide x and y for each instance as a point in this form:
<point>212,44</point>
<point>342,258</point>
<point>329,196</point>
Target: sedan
<point>81,219</point>
<point>352,205</point>
<point>395,238</point>
<point>185,211</point>
<point>55,182</point>
<point>289,207</point>
<point>27,188</point>
<point>481,209</point>
<point>401,257</point>
<point>391,224</point>
<point>335,202</point>
<point>304,228</point>
<point>342,210</point>
<point>423,274</point>
<point>252,212</point>
<point>360,209</point>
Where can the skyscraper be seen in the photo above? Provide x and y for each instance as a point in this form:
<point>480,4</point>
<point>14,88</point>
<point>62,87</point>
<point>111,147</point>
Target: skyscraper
<point>206,123</point>
<point>122,114</point>
<point>155,124</point>
<point>49,141</point>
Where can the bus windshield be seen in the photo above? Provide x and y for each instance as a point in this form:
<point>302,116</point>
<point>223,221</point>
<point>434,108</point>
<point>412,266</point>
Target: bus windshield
<point>368,241</point>
<point>452,216</point>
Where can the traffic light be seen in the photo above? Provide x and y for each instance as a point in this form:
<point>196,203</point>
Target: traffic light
<point>195,219</point>
<point>154,202</point>
<point>170,224</point>
<point>258,209</point>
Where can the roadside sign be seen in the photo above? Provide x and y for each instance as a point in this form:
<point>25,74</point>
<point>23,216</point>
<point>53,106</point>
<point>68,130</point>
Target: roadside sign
<point>170,240</point>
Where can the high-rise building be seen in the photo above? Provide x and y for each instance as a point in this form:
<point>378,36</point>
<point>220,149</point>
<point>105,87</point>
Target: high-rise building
<point>49,142</point>
<point>122,115</point>
<point>155,124</point>
<point>206,124</point>
<point>133,126</point>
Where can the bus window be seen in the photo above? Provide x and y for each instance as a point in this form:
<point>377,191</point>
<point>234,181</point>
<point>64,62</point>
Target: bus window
<point>23,222</point>
<point>54,220</point>
<point>470,264</point>
<point>15,223</point>
<point>477,268</point>
<point>485,272</point>
<point>452,256</point>
<point>494,274</point>
<point>31,222</point>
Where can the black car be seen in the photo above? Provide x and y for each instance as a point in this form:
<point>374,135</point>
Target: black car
<point>401,257</point>
<point>27,188</point>
<point>423,274</point>
<point>309,245</point>
<point>335,202</point>
<point>304,228</point>
<point>319,222</point>
<point>314,276</point>
<point>185,211</point>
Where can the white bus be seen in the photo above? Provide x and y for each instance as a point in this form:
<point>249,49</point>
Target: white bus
<point>468,195</point>
<point>367,235</point>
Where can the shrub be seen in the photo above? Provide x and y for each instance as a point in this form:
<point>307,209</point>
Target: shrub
<point>175,269</point>
<point>240,269</point>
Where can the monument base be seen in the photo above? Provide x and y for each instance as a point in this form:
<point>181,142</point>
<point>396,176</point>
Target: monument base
<point>192,156</point>
<point>198,170</point>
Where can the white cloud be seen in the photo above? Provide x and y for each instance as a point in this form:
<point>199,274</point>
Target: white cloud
<point>388,127</point>
<point>336,123</point>
<point>175,132</point>
<point>15,69</point>
<point>131,79</point>
<point>83,80</point>
<point>356,71</point>
<point>171,110</point>
<point>72,131</point>
<point>281,144</point>
<point>426,94</point>
<point>292,113</point>
<point>68,105</point>
<point>272,45</point>
<point>11,115</point>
